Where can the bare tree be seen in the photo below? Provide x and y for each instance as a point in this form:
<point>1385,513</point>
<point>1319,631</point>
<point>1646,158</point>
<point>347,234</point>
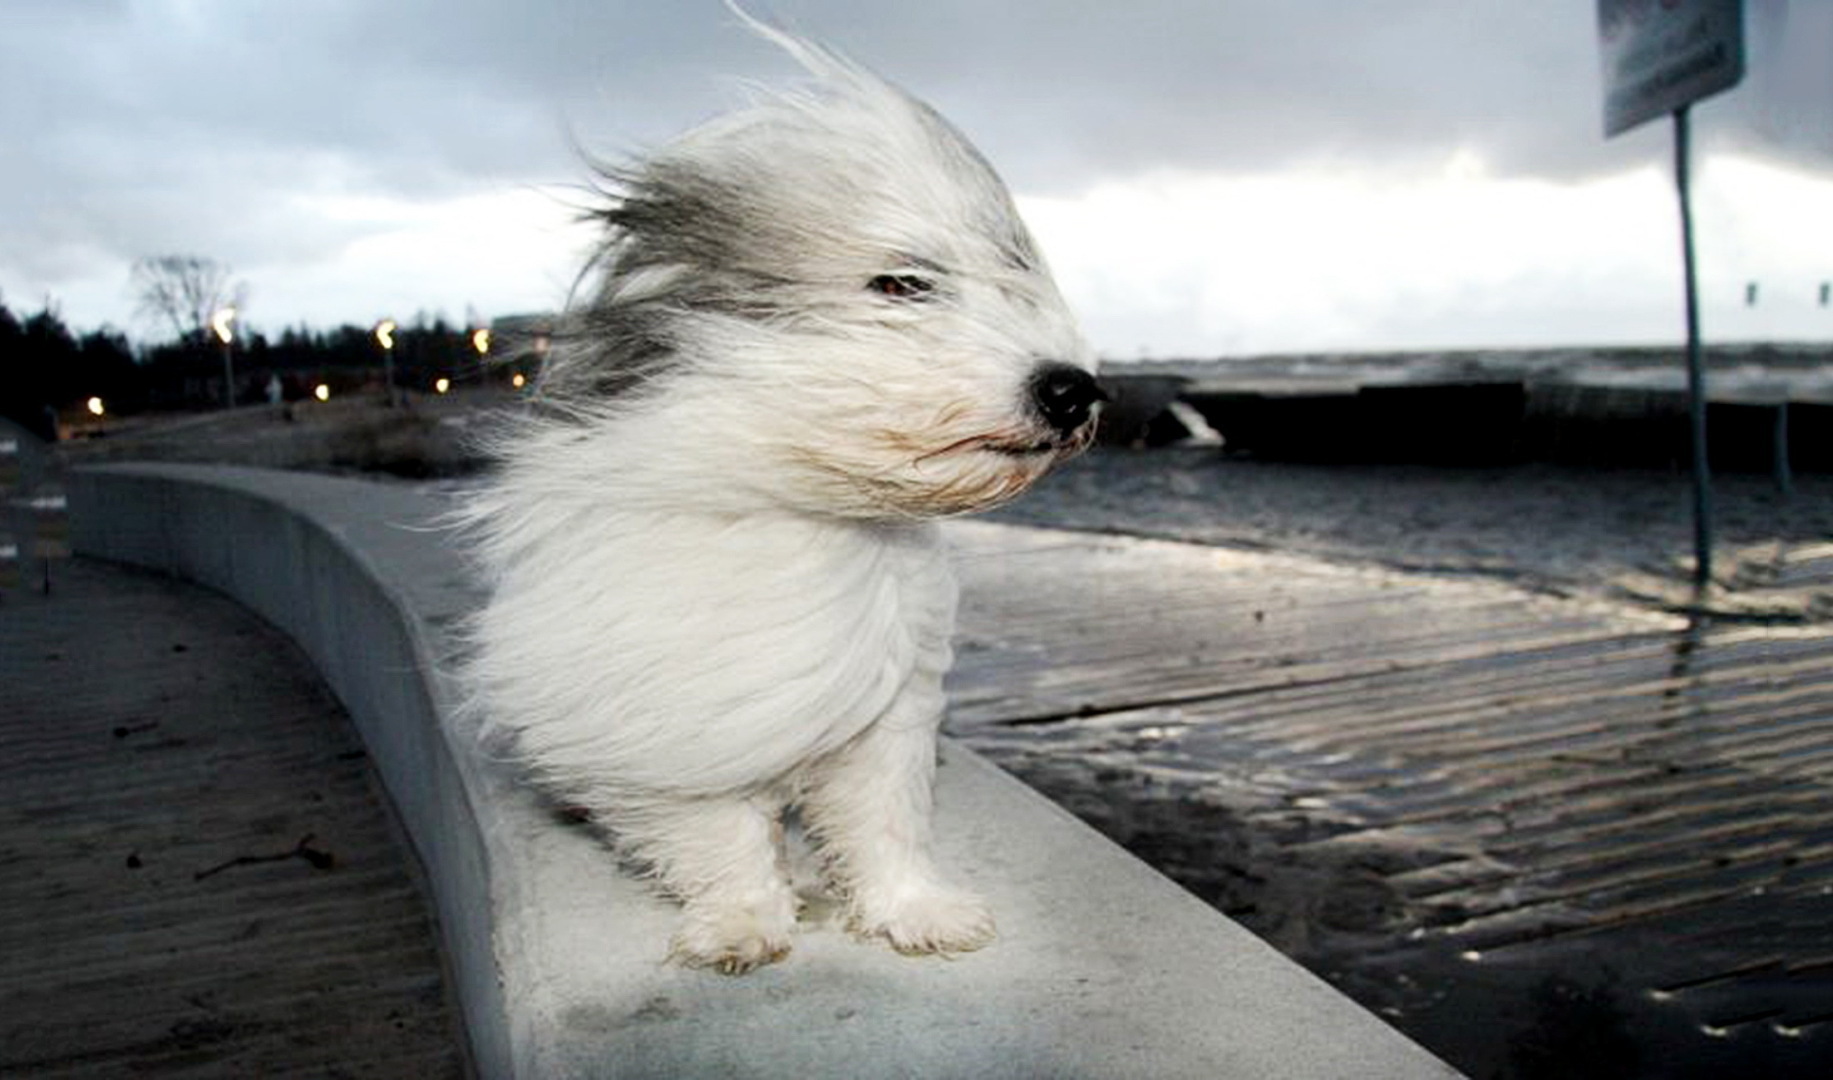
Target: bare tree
<point>185,290</point>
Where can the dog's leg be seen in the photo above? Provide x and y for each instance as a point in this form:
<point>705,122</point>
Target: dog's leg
<point>868,807</point>
<point>722,857</point>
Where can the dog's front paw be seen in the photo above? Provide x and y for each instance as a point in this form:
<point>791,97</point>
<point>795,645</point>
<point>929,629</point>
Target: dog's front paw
<point>932,919</point>
<point>731,940</point>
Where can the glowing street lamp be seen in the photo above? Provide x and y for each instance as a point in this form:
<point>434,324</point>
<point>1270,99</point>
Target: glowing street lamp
<point>480,340</point>
<point>220,322</point>
<point>94,405</point>
<point>385,337</point>
<point>322,392</point>
<point>442,385</point>
<point>542,344</point>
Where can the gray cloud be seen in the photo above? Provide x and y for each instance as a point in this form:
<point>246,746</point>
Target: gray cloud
<point>1074,91</point>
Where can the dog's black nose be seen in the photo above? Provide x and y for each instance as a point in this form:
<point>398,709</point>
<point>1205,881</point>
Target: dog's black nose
<point>1064,396</point>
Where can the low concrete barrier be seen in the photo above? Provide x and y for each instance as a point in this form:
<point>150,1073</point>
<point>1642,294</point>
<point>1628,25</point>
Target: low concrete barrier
<point>1103,969</point>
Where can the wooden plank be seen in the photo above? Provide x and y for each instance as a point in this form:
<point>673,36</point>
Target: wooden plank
<point>156,735</point>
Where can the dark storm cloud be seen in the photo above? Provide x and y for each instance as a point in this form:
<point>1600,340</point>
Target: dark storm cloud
<point>197,126</point>
<point>1064,93</point>
<point>1257,87</point>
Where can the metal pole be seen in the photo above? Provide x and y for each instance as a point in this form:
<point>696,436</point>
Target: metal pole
<point>228,377</point>
<point>1696,376</point>
<point>1785,477</point>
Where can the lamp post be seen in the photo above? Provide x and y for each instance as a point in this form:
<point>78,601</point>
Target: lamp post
<point>385,336</point>
<point>220,322</point>
<point>480,341</point>
<point>543,343</point>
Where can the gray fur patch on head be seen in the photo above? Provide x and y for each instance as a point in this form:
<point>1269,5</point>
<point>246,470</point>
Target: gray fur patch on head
<point>780,216</point>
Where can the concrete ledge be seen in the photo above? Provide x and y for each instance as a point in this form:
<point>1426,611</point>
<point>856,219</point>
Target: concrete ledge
<point>1103,968</point>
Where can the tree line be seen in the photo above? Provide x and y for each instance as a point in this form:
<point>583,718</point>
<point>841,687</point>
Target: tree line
<point>46,369</point>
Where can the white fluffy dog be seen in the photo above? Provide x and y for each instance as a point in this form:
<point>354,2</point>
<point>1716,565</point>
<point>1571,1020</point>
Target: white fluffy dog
<point>818,325</point>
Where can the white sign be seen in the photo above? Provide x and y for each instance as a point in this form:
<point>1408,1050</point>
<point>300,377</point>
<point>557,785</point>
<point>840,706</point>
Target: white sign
<point>1660,55</point>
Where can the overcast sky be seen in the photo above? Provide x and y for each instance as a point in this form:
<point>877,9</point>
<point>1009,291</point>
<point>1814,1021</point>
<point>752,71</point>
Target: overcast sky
<point>1207,177</point>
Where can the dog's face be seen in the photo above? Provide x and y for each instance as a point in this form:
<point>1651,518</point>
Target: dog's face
<point>842,284</point>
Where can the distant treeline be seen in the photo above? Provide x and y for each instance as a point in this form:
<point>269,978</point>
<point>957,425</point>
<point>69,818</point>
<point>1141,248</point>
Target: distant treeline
<point>46,370</point>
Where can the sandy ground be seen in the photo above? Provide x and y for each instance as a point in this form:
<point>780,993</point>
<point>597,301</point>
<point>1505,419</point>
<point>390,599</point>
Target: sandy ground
<point>1626,534</point>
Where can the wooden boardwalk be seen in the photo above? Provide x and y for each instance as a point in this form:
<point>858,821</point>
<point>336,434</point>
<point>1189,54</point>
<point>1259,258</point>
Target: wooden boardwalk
<point>196,875</point>
<point>1543,835</point>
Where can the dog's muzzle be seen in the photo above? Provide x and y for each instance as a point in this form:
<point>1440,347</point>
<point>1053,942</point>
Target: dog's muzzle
<point>1064,396</point>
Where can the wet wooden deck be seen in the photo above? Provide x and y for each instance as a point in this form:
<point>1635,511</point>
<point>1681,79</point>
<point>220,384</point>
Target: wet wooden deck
<point>1538,833</point>
<point>196,875</point>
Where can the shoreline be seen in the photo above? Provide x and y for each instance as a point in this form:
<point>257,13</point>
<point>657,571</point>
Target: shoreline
<point>1619,535</point>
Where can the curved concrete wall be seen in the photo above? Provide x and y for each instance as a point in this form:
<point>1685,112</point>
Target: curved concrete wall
<point>1103,968</point>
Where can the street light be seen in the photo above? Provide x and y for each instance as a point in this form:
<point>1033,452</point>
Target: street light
<point>94,405</point>
<point>220,322</point>
<point>385,336</point>
<point>480,340</point>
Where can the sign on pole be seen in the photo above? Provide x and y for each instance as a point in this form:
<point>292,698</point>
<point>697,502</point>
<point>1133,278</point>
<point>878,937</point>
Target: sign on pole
<point>1662,55</point>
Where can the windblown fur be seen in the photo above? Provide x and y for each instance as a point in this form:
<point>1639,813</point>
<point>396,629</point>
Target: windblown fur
<point>815,326</point>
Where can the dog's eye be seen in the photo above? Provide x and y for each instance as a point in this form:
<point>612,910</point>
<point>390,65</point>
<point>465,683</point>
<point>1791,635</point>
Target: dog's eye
<point>901,286</point>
